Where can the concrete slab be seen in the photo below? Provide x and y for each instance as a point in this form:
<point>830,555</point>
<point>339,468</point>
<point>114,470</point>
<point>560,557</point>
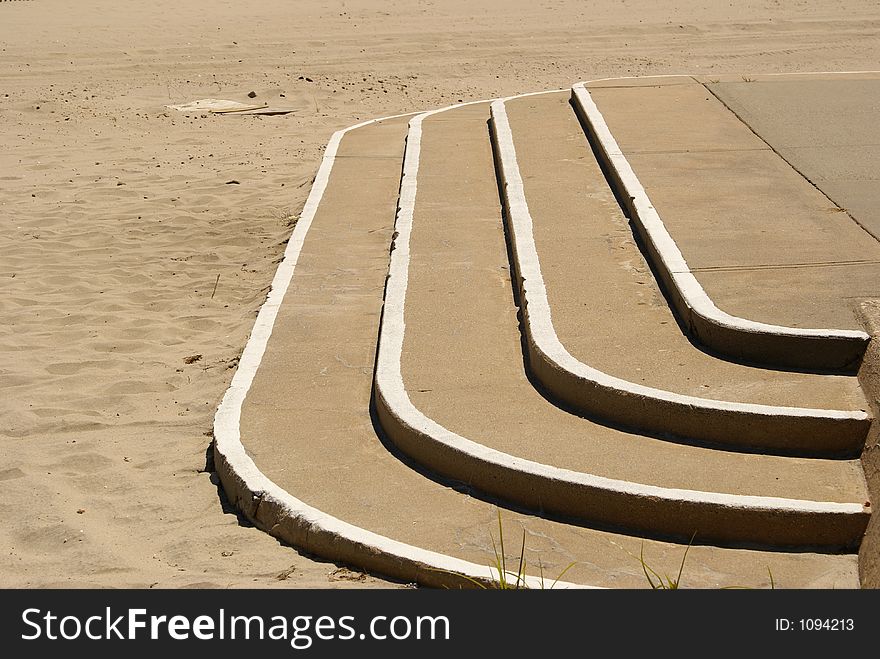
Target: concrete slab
<point>807,111</point>
<point>826,128</point>
<point>734,208</point>
<point>671,118</point>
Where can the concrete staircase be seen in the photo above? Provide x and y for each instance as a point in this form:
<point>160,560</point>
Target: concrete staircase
<point>480,308</point>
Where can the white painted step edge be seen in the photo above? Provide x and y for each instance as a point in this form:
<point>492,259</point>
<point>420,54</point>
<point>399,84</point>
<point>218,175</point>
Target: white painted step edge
<point>673,265</point>
<point>852,427</point>
<point>279,512</point>
<point>769,520</point>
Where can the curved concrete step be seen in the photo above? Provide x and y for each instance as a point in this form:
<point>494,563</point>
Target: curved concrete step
<point>835,349</point>
<point>297,452</point>
<point>599,294</point>
<point>449,369</point>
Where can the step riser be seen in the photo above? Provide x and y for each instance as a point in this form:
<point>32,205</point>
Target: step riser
<point>586,390</point>
<point>738,338</point>
<point>765,433</point>
<point>646,512</point>
<point>309,530</point>
<point>306,528</point>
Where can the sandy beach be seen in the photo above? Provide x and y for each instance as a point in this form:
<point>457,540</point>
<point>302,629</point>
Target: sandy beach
<point>139,242</point>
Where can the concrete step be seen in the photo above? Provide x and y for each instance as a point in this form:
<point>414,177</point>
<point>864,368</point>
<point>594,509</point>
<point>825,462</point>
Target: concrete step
<point>452,392</point>
<point>618,352</point>
<point>297,449</point>
<point>730,225</point>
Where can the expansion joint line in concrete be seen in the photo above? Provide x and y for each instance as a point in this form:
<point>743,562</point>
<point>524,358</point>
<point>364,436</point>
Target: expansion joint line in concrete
<point>787,161</point>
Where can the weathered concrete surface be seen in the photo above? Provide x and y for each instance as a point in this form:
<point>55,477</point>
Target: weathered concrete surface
<point>308,418</point>
<point>828,129</point>
<point>306,421</point>
<point>606,306</point>
<point>463,367</point>
<point>740,214</point>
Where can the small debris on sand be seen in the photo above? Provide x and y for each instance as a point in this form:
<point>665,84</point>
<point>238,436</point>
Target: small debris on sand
<point>344,574</point>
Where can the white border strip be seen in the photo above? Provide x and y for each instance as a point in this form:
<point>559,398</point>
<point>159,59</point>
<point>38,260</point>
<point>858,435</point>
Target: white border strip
<point>539,325</point>
<point>670,257</point>
<point>391,392</point>
<point>244,479</point>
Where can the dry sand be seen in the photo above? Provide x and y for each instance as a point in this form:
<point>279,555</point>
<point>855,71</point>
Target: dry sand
<point>118,216</point>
